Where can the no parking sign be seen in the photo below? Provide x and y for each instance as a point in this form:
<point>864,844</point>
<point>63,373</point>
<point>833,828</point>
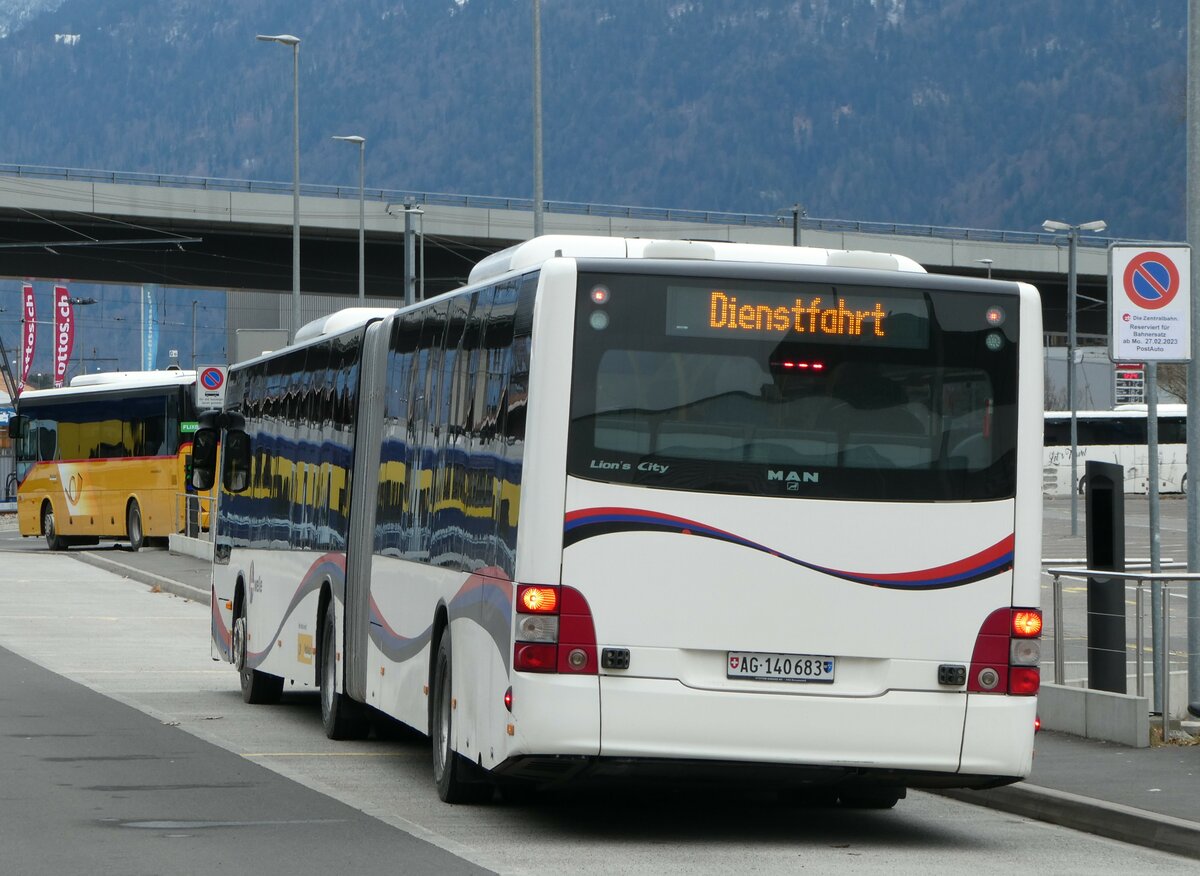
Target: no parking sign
<point>1149,298</point>
<point>210,387</point>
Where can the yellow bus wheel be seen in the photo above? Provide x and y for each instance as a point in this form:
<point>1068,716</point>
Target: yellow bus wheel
<point>137,536</point>
<point>54,541</point>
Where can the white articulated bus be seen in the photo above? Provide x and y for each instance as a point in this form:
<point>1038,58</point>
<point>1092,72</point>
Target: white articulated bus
<point>658,508</point>
<point>1118,436</point>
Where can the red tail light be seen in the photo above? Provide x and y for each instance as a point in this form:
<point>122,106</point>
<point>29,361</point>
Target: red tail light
<point>1024,681</point>
<point>535,657</point>
<point>565,642</point>
<point>1006,653</point>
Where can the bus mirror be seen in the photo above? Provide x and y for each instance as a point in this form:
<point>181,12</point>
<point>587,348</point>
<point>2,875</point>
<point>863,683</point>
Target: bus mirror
<point>204,459</point>
<point>236,474</point>
<point>16,426</point>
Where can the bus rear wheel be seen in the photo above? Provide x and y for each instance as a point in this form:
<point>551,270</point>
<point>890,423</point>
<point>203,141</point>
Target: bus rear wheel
<point>54,541</point>
<point>871,798</point>
<point>258,688</point>
<point>133,519</point>
<point>342,717</point>
<point>451,771</point>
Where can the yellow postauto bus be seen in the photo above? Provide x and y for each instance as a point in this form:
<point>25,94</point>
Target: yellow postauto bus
<point>106,458</point>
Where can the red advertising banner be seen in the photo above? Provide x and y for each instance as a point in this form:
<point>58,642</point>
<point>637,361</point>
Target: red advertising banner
<point>64,333</point>
<point>28,334</point>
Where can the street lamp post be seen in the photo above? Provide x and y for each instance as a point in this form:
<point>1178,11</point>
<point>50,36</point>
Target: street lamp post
<point>362,159</point>
<point>539,206</point>
<point>410,209</point>
<point>81,302</point>
<point>1095,226</point>
<point>988,264</point>
<point>288,40</point>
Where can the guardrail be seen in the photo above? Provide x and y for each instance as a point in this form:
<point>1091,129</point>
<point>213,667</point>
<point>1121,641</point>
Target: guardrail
<point>1139,582</point>
<point>612,211</point>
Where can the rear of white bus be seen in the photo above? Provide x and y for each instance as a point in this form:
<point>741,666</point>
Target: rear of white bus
<point>800,530</point>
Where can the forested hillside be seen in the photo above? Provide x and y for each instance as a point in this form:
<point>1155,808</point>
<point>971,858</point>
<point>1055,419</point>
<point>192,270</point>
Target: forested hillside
<point>980,114</point>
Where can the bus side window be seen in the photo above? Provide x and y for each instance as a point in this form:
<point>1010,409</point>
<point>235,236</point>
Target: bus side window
<point>1057,433</point>
<point>47,440</point>
<point>1172,430</point>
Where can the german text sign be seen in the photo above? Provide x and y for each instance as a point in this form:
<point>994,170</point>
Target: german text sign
<point>1149,298</point>
<point>210,387</point>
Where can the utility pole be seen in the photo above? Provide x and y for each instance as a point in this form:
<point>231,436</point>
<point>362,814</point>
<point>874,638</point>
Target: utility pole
<point>539,219</point>
<point>9,382</point>
<point>1193,370</point>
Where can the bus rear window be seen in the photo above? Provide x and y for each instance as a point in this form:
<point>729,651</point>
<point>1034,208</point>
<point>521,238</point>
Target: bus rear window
<point>794,390</point>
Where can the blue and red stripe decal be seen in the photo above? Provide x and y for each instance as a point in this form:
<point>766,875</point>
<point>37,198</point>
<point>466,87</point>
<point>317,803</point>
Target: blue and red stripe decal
<point>592,522</point>
<point>485,599</point>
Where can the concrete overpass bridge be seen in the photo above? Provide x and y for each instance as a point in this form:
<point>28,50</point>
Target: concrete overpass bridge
<point>135,228</point>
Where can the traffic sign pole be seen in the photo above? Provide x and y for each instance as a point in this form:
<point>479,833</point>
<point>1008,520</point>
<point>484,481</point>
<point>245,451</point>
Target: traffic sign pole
<point>1150,291</point>
<point>210,387</point>
<point>1193,390</point>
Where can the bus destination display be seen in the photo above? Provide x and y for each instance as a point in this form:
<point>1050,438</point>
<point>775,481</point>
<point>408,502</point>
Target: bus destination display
<point>820,316</point>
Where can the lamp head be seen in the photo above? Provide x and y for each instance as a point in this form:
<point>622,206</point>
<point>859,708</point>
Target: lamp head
<point>1097,226</point>
<point>1054,225</point>
<point>285,38</point>
<point>351,138</point>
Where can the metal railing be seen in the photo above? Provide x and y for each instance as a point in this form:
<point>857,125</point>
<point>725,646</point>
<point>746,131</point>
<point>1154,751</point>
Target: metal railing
<point>190,509</point>
<point>1139,582</point>
<point>612,211</point>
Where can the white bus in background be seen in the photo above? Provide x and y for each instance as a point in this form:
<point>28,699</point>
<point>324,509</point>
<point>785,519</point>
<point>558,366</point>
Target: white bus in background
<point>677,510</point>
<point>1116,436</point>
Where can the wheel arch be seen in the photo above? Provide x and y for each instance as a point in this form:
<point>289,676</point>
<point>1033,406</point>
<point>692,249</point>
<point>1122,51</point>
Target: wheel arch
<point>239,594</point>
<point>324,605</point>
<point>441,623</point>
<point>130,501</point>
<point>47,502</point>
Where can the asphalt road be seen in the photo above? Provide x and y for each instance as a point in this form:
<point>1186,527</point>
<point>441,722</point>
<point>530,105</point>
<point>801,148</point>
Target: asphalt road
<point>94,786</point>
<point>125,749</point>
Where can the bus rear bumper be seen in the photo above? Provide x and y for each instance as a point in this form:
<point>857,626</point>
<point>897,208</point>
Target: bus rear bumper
<point>912,738</point>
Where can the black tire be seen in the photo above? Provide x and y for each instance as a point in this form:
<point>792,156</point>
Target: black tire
<point>451,772</point>
<point>258,688</point>
<point>343,717</point>
<point>517,793</point>
<point>133,521</point>
<point>54,541</point>
<point>871,798</point>
<point>819,797</point>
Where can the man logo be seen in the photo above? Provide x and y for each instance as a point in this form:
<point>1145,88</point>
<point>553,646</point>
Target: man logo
<point>793,479</point>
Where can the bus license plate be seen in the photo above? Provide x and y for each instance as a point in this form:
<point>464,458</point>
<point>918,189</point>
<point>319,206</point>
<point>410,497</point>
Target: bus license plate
<point>779,667</point>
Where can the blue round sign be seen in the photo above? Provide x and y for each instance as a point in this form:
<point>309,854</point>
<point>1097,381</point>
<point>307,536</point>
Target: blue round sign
<point>1151,280</point>
<point>211,379</point>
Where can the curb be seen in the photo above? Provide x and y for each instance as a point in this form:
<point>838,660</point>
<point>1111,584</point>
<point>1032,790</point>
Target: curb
<point>167,584</point>
<point>1126,824</point>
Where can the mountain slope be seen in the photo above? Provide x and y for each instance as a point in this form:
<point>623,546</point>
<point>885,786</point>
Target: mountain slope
<point>993,115</point>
